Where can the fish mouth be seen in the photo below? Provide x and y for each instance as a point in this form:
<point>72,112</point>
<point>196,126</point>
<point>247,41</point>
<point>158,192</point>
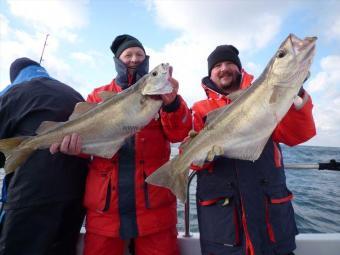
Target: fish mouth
<point>304,48</point>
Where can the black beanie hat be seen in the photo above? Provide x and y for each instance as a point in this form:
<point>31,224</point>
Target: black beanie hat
<point>224,53</point>
<point>122,42</point>
<point>18,65</point>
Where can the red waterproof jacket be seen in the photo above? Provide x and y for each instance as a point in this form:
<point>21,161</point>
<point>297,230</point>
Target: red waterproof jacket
<point>296,127</point>
<point>155,207</point>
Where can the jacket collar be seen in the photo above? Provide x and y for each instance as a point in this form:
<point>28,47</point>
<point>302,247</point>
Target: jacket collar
<point>123,79</point>
<point>213,92</point>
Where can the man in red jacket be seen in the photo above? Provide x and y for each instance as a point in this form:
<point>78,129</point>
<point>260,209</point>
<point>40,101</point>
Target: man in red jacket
<point>121,206</point>
<point>244,207</point>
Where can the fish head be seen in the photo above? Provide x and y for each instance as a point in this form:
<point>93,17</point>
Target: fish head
<point>157,81</point>
<point>291,63</point>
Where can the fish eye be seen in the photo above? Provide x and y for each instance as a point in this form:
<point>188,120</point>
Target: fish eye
<point>281,53</point>
<point>154,73</point>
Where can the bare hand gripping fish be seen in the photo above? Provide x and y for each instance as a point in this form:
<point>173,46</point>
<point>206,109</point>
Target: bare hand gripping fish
<point>103,127</point>
<point>241,130</point>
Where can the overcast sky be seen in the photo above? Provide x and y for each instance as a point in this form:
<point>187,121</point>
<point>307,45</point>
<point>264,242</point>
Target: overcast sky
<point>180,32</point>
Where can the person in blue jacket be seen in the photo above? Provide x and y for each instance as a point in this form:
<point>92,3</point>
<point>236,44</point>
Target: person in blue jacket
<point>43,209</point>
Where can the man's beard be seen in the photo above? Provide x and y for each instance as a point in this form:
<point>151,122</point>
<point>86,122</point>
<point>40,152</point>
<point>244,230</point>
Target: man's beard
<point>235,82</point>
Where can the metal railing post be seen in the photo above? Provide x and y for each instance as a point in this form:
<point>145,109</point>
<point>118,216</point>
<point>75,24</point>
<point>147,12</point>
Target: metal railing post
<point>187,207</point>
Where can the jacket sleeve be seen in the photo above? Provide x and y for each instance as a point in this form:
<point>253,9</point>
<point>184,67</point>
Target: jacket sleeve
<point>176,120</point>
<point>297,126</point>
<point>197,119</point>
<point>93,97</point>
<point>198,125</point>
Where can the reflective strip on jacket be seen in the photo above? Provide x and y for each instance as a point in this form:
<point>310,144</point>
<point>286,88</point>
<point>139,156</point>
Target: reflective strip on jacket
<point>245,207</point>
<point>155,207</point>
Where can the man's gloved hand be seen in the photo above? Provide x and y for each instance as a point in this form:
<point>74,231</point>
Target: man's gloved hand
<point>2,160</point>
<point>298,101</point>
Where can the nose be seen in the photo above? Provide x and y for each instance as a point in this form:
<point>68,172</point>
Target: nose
<point>224,66</point>
<point>134,58</point>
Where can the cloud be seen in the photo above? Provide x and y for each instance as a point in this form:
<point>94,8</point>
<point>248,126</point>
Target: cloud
<point>206,25</point>
<point>325,88</point>
<point>328,77</point>
<point>52,16</point>
<point>84,58</point>
<point>328,22</point>
<point>251,27</point>
<point>24,28</point>
<point>4,26</point>
<point>223,21</point>
<point>334,31</point>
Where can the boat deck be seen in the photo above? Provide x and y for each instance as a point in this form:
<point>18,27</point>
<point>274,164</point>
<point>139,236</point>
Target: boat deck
<point>307,244</point>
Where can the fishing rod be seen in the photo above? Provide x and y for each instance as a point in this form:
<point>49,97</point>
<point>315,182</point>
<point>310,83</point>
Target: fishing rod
<point>43,50</point>
<point>331,165</point>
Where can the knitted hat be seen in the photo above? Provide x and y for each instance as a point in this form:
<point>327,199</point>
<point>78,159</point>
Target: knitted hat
<point>18,65</point>
<point>122,42</point>
<point>224,53</point>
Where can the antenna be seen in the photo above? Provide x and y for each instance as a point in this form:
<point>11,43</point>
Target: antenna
<point>42,53</point>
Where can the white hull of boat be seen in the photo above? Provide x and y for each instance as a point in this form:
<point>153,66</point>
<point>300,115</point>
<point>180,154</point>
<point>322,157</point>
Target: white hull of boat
<point>307,244</point>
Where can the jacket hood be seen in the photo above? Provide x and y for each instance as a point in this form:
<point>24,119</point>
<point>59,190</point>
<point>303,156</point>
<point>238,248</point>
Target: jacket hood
<point>26,74</point>
<point>122,78</point>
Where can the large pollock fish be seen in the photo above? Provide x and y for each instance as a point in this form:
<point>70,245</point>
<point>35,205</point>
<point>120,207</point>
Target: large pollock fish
<point>103,127</point>
<point>241,130</point>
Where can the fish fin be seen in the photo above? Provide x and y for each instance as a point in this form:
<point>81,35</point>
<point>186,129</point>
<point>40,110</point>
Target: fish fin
<point>216,150</point>
<point>9,144</point>
<point>106,95</point>
<point>106,149</point>
<point>14,158</point>
<point>213,114</point>
<point>81,108</point>
<point>236,94</point>
<point>46,126</point>
<point>169,177</point>
<point>188,140</point>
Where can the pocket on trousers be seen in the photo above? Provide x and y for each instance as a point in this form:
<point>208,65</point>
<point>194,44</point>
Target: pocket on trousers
<point>219,220</point>
<point>280,214</point>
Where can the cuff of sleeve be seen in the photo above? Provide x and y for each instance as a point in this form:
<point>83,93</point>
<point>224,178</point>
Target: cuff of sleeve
<point>173,106</point>
<point>301,92</point>
<point>206,166</point>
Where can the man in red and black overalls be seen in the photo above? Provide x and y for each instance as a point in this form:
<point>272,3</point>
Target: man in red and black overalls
<point>245,207</point>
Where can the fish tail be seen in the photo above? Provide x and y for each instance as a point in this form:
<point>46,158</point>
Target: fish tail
<point>173,176</point>
<point>14,157</point>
